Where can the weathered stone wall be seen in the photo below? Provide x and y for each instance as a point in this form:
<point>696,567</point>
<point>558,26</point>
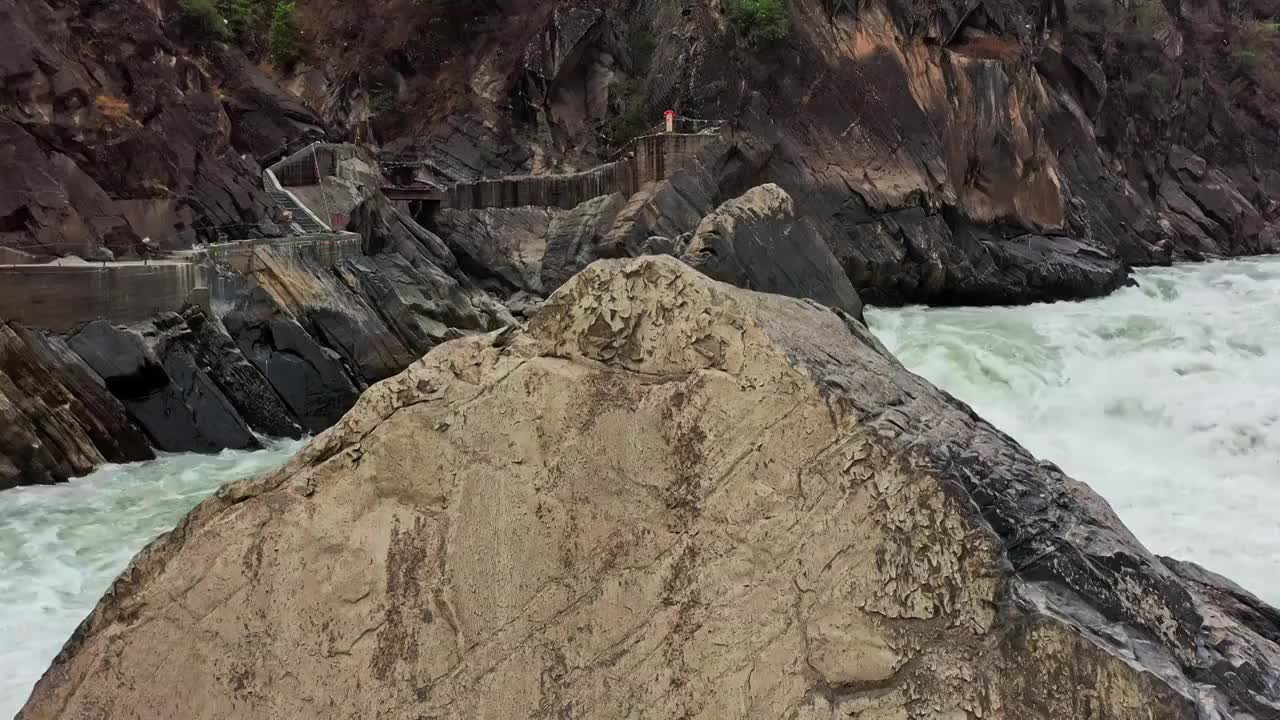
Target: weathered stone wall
<point>327,249</point>
<point>655,158</point>
<point>308,165</point>
<point>59,297</point>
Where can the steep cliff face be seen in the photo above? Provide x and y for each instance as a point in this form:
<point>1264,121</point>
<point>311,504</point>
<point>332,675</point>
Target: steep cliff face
<point>1003,151</point>
<point>961,152</point>
<point>114,127</point>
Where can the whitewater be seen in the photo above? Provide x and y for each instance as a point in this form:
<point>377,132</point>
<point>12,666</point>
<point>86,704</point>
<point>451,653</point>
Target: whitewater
<point>62,546</point>
<point>1164,397</point>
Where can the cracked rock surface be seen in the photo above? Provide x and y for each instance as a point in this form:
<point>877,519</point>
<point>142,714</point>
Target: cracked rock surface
<point>668,498</point>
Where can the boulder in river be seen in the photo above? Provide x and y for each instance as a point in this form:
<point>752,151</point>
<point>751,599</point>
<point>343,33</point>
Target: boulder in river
<point>171,396</point>
<point>310,378</point>
<point>667,498</point>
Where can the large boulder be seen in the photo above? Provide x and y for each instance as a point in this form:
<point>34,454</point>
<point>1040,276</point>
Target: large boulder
<point>168,393</point>
<point>757,242</point>
<point>668,498</point>
<point>310,379</point>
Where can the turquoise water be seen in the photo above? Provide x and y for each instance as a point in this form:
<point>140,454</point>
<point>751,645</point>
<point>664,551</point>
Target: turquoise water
<point>62,546</point>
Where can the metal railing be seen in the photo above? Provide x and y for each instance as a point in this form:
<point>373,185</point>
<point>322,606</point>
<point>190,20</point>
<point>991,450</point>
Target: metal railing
<point>272,181</point>
<point>681,126</point>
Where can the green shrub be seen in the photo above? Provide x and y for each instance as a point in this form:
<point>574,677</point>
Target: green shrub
<point>284,34</point>
<point>244,21</point>
<point>636,114</point>
<point>759,21</point>
<point>201,21</point>
<point>382,100</point>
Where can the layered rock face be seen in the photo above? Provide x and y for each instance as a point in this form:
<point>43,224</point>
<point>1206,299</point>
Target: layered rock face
<point>667,498</point>
<point>285,348</point>
<point>114,128</point>
<point>946,153</point>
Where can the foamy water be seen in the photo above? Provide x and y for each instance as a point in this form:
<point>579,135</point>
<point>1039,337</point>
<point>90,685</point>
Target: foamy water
<point>1165,398</point>
<point>61,547</point>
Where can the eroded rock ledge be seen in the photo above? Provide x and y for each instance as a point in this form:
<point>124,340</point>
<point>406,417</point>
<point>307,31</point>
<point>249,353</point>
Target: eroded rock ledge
<point>668,498</point>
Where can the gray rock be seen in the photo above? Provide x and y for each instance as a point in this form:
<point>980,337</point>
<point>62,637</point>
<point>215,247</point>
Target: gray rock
<point>912,253</point>
<point>102,416</point>
<point>310,379</point>
<point>336,314</point>
<point>757,242</point>
<point>218,357</point>
<point>508,243</point>
<point>100,253</point>
<point>179,407</point>
<point>574,238</point>
<point>415,280</point>
<point>42,439</point>
<point>668,208</point>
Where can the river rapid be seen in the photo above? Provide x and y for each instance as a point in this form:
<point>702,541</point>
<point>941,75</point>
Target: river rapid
<point>1164,397</point>
<point>62,546</point>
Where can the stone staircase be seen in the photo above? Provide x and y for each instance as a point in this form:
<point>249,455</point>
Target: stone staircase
<point>301,217</point>
<point>306,220</point>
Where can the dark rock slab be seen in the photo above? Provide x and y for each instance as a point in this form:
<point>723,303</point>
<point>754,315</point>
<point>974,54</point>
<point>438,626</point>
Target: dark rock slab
<point>103,418</point>
<point>757,242</point>
<point>1245,607</point>
<point>422,308</point>
<point>309,378</point>
<point>913,254</point>
<point>175,402</point>
<point>418,284</point>
<point>1033,268</point>
<point>217,356</point>
<point>334,314</point>
<point>42,440</point>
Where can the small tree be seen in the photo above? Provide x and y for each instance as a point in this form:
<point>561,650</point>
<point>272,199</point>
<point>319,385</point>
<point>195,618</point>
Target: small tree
<point>201,21</point>
<point>244,21</point>
<point>284,34</point>
<point>759,21</point>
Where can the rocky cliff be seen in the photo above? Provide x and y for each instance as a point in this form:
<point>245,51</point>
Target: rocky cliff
<point>115,126</point>
<point>1001,152</point>
<point>947,152</point>
<point>286,348</point>
<point>667,498</point>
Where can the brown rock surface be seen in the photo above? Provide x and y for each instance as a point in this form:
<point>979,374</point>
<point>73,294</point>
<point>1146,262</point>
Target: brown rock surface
<point>668,498</point>
<point>951,152</point>
<point>114,127</point>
